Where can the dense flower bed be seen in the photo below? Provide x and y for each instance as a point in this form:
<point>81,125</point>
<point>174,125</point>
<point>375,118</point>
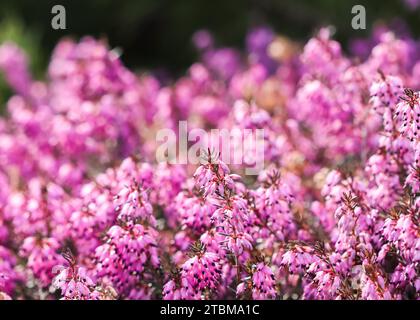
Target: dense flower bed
<point>86,212</point>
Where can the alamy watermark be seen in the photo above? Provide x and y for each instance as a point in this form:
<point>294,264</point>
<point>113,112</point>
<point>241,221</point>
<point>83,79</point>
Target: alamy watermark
<point>235,147</point>
<point>359,20</point>
<point>59,19</point>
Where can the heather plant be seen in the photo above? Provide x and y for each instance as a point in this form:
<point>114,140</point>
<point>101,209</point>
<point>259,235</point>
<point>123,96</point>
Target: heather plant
<point>87,212</point>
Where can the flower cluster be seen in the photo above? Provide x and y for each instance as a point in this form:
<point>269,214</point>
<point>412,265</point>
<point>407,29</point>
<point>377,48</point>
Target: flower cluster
<point>87,212</point>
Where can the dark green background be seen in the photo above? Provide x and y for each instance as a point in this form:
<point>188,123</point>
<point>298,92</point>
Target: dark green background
<point>157,33</point>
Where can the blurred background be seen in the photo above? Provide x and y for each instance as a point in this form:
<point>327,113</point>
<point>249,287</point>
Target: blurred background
<point>156,34</point>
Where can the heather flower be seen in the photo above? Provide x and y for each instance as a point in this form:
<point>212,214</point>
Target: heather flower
<point>258,41</point>
<point>4,296</point>
<point>133,205</point>
<point>323,56</point>
<point>334,210</point>
<point>201,271</point>
<point>8,273</point>
<point>193,212</point>
<point>42,255</point>
<point>261,283</point>
<point>271,205</point>
<point>385,92</point>
<point>74,281</point>
<point>13,62</point>
<point>128,252</point>
<point>408,113</point>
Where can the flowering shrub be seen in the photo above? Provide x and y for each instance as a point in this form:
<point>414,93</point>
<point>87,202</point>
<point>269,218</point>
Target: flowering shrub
<point>86,212</point>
